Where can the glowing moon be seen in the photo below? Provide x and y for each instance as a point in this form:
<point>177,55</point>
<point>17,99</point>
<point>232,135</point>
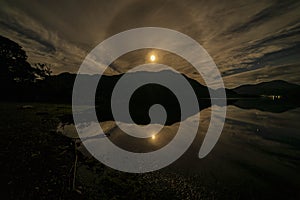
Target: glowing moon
<point>152,58</point>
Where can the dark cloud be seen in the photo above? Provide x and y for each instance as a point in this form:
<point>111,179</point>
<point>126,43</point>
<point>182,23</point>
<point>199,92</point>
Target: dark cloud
<point>250,41</point>
<point>28,35</point>
<point>270,12</point>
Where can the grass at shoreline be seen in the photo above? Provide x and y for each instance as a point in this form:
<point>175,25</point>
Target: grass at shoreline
<point>33,164</point>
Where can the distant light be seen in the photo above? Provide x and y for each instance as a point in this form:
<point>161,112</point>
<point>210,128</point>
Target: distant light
<point>152,58</point>
<point>153,137</point>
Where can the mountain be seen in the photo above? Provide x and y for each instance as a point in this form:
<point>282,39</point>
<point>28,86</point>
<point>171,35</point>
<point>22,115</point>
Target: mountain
<point>59,87</point>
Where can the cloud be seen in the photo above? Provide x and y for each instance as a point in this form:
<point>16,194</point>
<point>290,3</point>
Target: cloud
<point>246,39</point>
<point>41,44</point>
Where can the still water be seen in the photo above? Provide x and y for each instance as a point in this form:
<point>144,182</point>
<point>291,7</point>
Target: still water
<point>258,153</point>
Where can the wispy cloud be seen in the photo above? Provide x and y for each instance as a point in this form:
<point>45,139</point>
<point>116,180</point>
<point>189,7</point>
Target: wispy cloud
<point>250,41</point>
<point>41,44</point>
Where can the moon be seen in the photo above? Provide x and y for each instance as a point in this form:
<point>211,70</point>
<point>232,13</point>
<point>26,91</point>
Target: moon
<point>152,58</point>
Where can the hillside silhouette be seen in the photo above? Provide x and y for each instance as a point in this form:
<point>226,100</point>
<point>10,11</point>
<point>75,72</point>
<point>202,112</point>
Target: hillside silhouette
<point>22,82</point>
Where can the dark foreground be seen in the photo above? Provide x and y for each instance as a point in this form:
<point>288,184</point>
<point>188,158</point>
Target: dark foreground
<point>39,163</point>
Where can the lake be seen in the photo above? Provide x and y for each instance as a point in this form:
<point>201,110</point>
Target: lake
<point>256,157</point>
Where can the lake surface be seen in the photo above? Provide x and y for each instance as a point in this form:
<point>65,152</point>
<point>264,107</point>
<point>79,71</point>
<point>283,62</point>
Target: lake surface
<point>257,155</point>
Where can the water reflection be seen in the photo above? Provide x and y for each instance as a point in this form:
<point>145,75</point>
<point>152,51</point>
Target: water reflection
<point>153,137</point>
<point>257,151</point>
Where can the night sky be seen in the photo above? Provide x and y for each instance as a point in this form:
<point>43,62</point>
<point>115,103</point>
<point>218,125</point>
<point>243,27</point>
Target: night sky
<point>250,41</point>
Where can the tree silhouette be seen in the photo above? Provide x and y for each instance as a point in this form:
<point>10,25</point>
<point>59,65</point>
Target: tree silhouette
<point>14,66</point>
<point>13,62</point>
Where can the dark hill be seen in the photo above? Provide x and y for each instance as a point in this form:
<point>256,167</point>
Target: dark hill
<point>59,87</point>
